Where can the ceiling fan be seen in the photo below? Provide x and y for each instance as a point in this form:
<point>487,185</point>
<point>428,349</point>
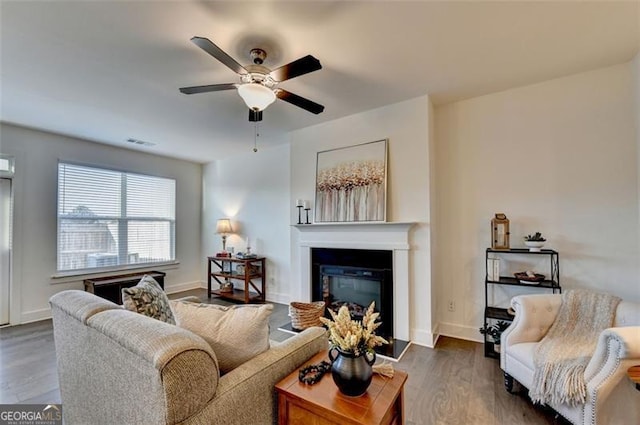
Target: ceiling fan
<point>258,85</point>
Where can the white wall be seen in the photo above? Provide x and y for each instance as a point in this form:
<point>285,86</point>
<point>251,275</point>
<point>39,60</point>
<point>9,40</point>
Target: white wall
<point>558,157</point>
<point>252,190</point>
<point>35,197</point>
<point>406,125</point>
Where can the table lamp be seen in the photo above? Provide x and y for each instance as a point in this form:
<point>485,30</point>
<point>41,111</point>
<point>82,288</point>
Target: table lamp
<point>223,227</point>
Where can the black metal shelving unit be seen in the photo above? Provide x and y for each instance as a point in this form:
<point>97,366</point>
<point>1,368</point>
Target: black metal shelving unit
<point>499,313</point>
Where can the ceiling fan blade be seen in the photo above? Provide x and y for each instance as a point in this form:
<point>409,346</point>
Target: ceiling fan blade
<point>208,46</point>
<point>296,68</point>
<point>299,101</point>
<point>206,89</point>
<point>255,116</point>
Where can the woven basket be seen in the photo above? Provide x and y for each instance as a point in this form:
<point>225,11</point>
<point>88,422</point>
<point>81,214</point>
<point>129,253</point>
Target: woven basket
<point>306,315</point>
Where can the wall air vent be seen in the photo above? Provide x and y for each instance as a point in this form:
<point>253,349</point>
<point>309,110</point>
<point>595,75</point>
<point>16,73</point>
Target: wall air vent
<point>140,142</point>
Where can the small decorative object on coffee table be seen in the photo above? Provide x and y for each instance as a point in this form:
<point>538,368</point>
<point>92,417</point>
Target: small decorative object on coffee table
<point>352,354</point>
<point>312,374</point>
<point>535,242</point>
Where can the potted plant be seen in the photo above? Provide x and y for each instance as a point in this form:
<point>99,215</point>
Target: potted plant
<point>495,332</point>
<point>351,352</point>
<point>535,242</point>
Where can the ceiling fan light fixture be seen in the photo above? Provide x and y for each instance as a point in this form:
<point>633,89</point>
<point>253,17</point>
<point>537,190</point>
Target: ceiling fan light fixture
<point>256,96</point>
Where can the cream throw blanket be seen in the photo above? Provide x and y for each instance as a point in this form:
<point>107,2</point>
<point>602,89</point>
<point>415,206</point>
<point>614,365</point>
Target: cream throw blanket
<point>563,354</point>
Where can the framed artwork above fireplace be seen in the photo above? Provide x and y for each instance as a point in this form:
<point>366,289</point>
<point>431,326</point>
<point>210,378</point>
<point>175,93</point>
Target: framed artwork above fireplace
<point>351,184</point>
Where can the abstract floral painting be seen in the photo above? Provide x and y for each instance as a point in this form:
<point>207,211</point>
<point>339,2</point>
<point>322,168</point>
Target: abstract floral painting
<point>351,183</point>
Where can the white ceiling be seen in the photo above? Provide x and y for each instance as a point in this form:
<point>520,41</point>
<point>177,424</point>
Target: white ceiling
<point>110,70</point>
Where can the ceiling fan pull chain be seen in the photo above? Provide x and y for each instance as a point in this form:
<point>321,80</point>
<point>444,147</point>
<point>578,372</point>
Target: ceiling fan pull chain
<point>255,138</point>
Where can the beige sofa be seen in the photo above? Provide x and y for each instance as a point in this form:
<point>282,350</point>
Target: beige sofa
<point>120,367</point>
<point>612,398</point>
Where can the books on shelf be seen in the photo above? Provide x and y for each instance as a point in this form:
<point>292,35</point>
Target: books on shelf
<point>493,269</point>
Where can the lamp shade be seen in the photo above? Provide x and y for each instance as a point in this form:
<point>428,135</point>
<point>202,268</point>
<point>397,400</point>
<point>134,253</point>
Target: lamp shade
<point>256,96</point>
<point>223,226</point>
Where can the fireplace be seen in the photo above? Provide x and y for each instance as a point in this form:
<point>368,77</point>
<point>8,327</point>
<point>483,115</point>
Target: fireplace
<point>355,278</point>
<point>388,248</point>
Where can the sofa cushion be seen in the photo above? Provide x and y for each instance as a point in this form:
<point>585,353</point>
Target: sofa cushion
<point>236,333</point>
<point>148,298</point>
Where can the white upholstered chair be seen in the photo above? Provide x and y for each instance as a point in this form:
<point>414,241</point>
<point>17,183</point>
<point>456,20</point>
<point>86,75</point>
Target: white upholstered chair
<point>612,398</point>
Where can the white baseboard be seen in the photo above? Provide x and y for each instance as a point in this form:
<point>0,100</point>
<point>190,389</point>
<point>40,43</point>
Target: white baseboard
<point>424,338</point>
<point>436,334</point>
<point>453,330</point>
<point>275,297</point>
<point>180,287</point>
<point>34,316</point>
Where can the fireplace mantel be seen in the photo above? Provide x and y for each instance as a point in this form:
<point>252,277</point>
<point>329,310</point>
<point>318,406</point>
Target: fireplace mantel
<point>357,224</point>
<point>393,236</point>
<point>356,235</point>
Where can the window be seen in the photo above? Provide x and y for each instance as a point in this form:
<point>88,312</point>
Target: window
<point>109,218</point>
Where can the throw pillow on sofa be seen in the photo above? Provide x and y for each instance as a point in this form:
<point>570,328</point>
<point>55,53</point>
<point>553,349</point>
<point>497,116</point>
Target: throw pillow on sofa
<point>148,298</point>
<point>235,333</point>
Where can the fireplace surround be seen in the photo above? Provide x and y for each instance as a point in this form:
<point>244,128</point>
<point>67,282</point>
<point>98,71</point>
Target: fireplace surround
<point>392,237</point>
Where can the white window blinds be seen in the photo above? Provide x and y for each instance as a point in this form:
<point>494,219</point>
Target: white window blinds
<point>108,218</point>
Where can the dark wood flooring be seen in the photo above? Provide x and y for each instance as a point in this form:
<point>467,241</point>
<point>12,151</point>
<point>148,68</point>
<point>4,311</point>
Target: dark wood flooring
<point>451,384</point>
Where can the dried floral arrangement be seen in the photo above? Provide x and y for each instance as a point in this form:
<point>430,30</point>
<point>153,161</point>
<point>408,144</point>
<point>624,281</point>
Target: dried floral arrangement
<point>353,336</point>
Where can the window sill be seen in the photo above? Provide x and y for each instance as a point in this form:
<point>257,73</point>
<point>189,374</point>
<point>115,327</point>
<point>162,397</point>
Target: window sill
<point>75,275</point>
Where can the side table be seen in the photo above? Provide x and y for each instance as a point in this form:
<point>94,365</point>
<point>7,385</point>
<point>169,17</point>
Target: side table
<point>226,269</point>
<point>324,404</point>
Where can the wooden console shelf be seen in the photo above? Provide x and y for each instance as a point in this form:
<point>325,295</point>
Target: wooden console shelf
<point>226,270</point>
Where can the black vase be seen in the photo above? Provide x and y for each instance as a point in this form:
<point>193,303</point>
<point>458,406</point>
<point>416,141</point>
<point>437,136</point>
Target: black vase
<point>352,374</point>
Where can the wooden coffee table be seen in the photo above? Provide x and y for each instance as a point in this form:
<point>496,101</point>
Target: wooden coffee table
<point>323,403</point>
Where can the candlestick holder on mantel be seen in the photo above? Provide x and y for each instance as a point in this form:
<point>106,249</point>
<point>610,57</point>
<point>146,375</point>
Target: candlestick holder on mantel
<point>299,210</point>
<point>300,205</point>
<point>307,207</point>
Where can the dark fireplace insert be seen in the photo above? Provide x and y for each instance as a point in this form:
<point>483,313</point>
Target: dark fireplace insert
<point>355,278</point>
